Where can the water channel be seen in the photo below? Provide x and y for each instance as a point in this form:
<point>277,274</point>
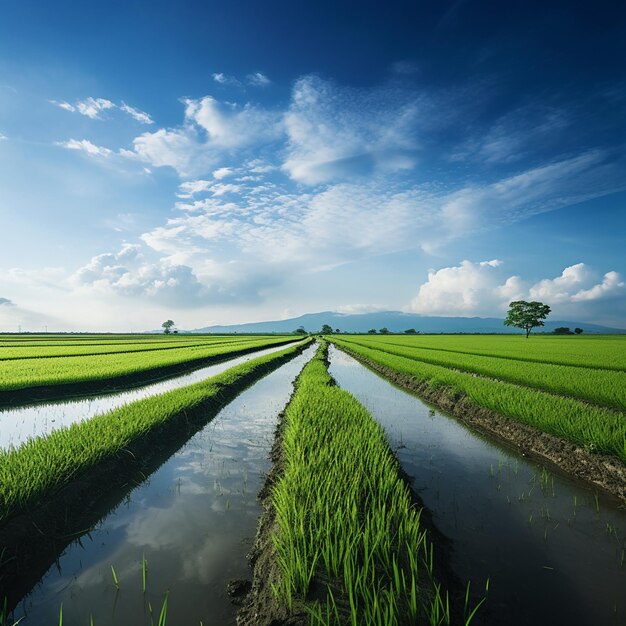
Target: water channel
<point>194,520</point>
<point>553,549</point>
<point>21,423</point>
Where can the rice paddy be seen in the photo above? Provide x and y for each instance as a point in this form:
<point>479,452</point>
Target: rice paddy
<point>581,404</point>
<point>343,538</point>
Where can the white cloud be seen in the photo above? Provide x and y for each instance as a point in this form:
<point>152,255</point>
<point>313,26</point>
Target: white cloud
<point>220,189</point>
<point>222,172</point>
<point>63,105</point>
<point>3,137</point>
<point>258,79</point>
<point>92,107</point>
<point>482,289</point>
<point>136,114</point>
<point>84,145</point>
<point>224,79</point>
<point>192,187</point>
<point>336,132</point>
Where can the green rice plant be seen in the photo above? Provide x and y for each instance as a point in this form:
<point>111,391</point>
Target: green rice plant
<point>598,386</point>
<point>345,516</point>
<point>20,374</point>
<point>115,581</point>
<point>39,467</point>
<point>587,351</point>
<point>592,427</point>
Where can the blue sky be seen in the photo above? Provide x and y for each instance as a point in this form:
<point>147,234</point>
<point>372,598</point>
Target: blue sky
<point>230,162</point>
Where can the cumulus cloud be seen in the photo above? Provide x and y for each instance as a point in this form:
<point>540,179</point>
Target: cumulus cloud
<point>222,172</point>
<point>210,129</point>
<point>140,116</point>
<point>129,273</point>
<point>483,289</point>
<point>192,187</point>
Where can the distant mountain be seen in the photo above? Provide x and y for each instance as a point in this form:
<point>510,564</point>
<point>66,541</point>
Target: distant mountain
<point>395,321</point>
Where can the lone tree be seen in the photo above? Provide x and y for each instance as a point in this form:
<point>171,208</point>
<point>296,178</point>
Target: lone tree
<point>384,331</point>
<point>371,331</point>
<point>410,331</point>
<point>526,315</point>
<point>578,331</point>
<point>327,329</point>
<point>167,326</point>
<point>300,331</point>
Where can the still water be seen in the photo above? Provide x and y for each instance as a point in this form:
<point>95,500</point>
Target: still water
<point>552,549</point>
<point>24,422</point>
<point>194,520</point>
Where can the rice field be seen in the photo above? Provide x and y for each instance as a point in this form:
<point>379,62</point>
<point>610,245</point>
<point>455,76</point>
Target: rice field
<point>28,364</point>
<point>580,403</point>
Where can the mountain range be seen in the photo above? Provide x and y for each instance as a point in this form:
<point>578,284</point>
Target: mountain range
<point>395,321</point>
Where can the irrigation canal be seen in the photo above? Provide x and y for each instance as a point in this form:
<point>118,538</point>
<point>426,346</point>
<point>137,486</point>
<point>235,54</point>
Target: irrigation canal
<point>194,519</point>
<point>23,422</point>
<point>553,551</point>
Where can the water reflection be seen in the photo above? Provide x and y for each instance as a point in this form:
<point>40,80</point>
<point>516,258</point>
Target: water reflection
<point>553,552</point>
<point>21,423</point>
<point>194,520</point>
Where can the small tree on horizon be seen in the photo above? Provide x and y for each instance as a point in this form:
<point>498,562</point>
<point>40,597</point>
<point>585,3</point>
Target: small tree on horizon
<point>371,331</point>
<point>327,329</point>
<point>410,331</point>
<point>384,330</point>
<point>300,331</point>
<point>167,326</point>
<point>578,331</point>
<point>526,315</point>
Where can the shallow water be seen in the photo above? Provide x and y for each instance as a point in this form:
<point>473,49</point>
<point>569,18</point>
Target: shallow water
<point>24,422</point>
<point>194,519</point>
<point>554,553</point>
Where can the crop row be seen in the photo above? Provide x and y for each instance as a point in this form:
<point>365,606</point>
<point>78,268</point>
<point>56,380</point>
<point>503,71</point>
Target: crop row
<point>602,387</point>
<point>38,468</point>
<point>40,352</point>
<point>603,352</point>
<point>21,374</point>
<point>345,520</point>
<point>594,428</point>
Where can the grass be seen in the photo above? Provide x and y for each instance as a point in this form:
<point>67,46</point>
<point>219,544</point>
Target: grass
<point>345,518</point>
<point>21,374</point>
<point>593,427</point>
<point>34,472</point>
<point>602,387</point>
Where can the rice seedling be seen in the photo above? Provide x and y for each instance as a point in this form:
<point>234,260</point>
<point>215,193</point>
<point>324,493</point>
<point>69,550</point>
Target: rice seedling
<point>583,424</point>
<point>360,537</point>
<point>599,386</point>
<point>40,466</point>
<point>17,374</point>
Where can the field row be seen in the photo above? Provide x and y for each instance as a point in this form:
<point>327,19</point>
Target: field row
<point>603,387</point>
<point>39,467</point>
<point>21,374</point>
<point>65,350</point>
<point>598,352</point>
<point>358,541</point>
<point>592,427</point>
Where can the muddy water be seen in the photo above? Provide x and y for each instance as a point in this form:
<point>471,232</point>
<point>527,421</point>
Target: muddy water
<point>553,552</point>
<point>21,423</point>
<point>194,519</point>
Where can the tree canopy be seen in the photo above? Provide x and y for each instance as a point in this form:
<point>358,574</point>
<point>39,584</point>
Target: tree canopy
<point>526,315</point>
<point>327,329</point>
<point>167,326</point>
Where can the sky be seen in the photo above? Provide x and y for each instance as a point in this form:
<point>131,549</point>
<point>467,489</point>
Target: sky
<point>226,162</point>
